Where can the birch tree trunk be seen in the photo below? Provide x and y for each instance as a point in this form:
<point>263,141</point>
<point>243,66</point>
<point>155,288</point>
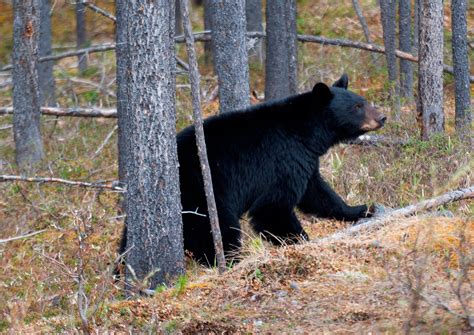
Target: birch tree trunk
<point>26,100</point>
<point>45,69</point>
<point>404,28</point>
<point>430,68</point>
<point>463,116</point>
<point>388,10</point>
<point>81,35</point>
<point>146,80</point>
<point>230,53</point>
<point>253,9</point>
<point>281,50</point>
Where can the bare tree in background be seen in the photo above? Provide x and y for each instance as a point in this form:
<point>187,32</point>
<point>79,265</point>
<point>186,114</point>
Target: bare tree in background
<point>146,78</point>
<point>363,24</point>
<point>26,101</point>
<point>178,19</point>
<point>463,116</point>
<point>200,139</point>
<point>207,26</point>
<point>388,10</point>
<point>281,50</point>
<point>404,28</point>
<point>430,68</point>
<point>253,9</point>
<point>229,50</point>
<point>416,26</point>
<point>45,69</point>
<point>81,35</point>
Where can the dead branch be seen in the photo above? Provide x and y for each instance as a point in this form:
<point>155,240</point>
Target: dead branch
<point>93,84</point>
<point>14,238</point>
<point>205,36</point>
<point>111,187</point>
<point>77,112</point>
<point>380,221</point>
<point>97,9</point>
<point>200,140</point>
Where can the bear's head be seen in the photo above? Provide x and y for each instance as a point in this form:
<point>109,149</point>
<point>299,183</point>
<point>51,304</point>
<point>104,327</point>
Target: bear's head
<point>347,113</point>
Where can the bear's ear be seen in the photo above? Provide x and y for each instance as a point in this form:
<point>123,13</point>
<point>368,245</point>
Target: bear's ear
<point>342,82</point>
<point>322,93</point>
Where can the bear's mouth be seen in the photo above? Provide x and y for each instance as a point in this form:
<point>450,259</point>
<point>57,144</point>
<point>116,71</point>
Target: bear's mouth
<point>371,125</point>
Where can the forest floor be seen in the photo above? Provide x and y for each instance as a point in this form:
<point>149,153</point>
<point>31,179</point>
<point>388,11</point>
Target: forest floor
<point>415,274</point>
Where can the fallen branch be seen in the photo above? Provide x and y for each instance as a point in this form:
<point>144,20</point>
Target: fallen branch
<point>206,36</point>
<point>97,9</point>
<point>14,238</point>
<point>380,221</point>
<point>104,143</point>
<point>111,187</point>
<point>75,112</point>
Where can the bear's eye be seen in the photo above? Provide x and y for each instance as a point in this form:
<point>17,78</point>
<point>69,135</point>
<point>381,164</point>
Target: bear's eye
<point>359,105</point>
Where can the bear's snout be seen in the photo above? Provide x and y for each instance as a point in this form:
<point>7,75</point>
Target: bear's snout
<point>373,119</point>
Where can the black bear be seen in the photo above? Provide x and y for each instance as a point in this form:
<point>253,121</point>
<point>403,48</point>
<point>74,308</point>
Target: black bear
<point>265,161</point>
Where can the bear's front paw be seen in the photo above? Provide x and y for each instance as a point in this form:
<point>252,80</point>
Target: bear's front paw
<point>362,211</point>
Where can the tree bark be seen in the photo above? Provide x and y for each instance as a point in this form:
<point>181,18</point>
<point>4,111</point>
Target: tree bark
<point>463,116</point>
<point>388,10</point>
<point>200,139</point>
<point>230,53</point>
<point>81,35</point>
<point>253,9</point>
<point>281,51</point>
<point>430,68</point>
<point>147,120</point>
<point>45,69</point>
<point>26,100</point>
<point>406,70</point>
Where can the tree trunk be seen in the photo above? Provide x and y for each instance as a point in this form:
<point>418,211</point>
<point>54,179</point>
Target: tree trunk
<point>207,26</point>
<point>388,10</point>
<point>363,23</point>
<point>406,70</point>
<point>281,50</point>
<point>178,19</point>
<point>253,9</point>
<point>200,139</point>
<point>430,68</point>
<point>463,117</point>
<point>146,94</point>
<point>230,53</point>
<point>45,69</point>
<point>416,26</point>
<point>26,102</point>
<point>81,35</point>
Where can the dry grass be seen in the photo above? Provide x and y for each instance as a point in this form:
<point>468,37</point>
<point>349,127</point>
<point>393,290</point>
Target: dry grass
<point>353,286</point>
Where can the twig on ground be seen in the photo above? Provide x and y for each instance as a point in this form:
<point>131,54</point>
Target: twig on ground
<point>6,178</point>
<point>97,9</point>
<point>380,221</point>
<point>93,84</point>
<point>14,238</point>
<point>104,143</point>
<point>6,126</point>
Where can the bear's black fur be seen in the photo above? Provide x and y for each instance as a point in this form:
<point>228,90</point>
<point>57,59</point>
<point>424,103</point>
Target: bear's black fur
<point>265,161</point>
